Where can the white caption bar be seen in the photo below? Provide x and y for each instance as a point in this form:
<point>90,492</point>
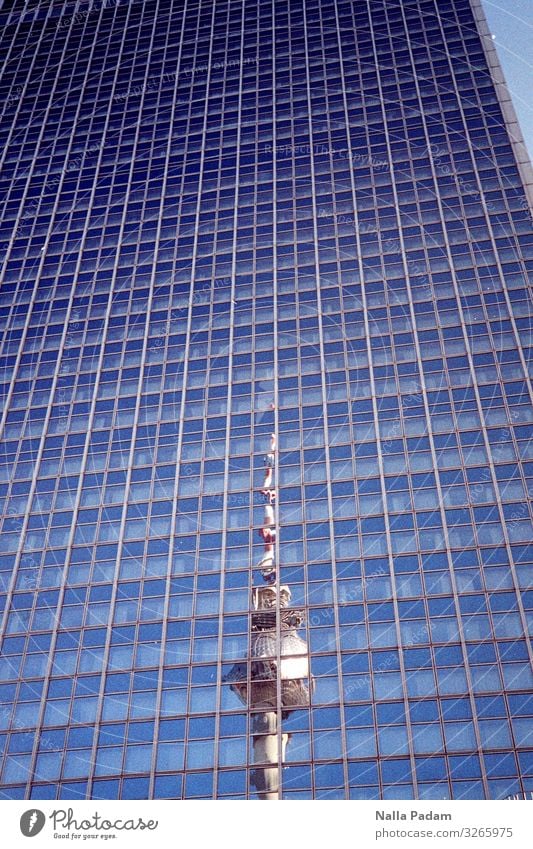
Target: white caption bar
<point>323,824</point>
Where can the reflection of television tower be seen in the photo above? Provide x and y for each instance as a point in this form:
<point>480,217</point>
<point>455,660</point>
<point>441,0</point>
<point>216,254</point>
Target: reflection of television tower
<point>278,666</point>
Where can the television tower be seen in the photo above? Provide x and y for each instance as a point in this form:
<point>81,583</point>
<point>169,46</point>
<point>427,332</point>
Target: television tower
<point>274,681</point>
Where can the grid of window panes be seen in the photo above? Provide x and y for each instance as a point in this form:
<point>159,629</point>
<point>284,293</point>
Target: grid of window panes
<point>207,207</point>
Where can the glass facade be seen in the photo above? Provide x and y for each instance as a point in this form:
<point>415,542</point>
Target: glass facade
<point>208,209</point>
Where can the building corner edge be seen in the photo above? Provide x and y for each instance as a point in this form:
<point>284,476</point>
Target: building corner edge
<point>516,137</point>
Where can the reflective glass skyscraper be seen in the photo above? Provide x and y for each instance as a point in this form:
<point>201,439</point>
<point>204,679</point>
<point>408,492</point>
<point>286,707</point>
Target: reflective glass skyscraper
<point>221,220</point>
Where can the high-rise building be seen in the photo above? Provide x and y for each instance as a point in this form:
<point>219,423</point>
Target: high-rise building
<point>226,219</point>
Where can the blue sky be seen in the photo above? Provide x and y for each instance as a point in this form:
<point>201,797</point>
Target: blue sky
<point>511,21</point>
